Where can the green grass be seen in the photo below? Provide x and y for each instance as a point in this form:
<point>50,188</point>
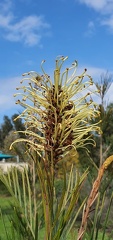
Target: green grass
<point>6,211</point>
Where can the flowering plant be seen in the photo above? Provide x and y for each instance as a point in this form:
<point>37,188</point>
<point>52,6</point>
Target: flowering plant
<point>57,116</point>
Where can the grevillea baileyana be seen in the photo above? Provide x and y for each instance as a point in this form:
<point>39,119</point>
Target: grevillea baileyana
<point>57,112</point>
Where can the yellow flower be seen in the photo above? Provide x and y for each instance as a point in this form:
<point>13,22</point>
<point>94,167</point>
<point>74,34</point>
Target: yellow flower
<point>57,113</point>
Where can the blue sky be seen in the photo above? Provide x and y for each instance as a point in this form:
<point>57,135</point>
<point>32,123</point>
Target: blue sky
<point>33,30</point>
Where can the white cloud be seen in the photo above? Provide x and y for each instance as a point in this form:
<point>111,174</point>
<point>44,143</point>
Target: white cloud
<point>29,29</point>
<point>109,95</point>
<point>7,89</point>
<point>104,8</point>
<point>5,20</point>
<point>5,5</point>
<point>7,100</point>
<point>90,29</point>
<point>96,74</point>
<point>97,5</point>
<point>108,22</point>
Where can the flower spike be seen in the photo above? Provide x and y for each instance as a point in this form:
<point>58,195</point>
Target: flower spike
<point>59,109</point>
